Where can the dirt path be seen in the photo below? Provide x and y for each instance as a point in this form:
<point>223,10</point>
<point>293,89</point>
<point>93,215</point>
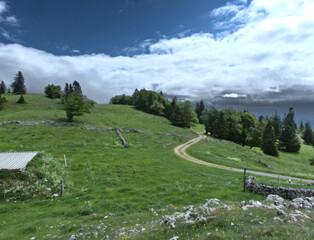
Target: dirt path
<point>181,152</point>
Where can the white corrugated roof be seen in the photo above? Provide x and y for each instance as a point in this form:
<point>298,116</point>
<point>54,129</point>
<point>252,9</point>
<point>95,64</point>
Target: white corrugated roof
<point>16,160</point>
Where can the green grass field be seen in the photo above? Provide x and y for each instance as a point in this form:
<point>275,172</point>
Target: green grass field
<point>230,154</point>
<point>102,178</point>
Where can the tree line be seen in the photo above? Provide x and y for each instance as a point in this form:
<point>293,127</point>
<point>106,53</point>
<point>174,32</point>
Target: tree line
<point>180,114</point>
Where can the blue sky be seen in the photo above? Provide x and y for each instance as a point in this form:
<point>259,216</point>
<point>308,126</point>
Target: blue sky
<point>239,53</point>
<point>114,27</point>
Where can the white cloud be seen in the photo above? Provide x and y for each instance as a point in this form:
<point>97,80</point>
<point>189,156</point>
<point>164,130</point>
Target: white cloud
<point>270,52</point>
<point>3,7</point>
<point>234,95</point>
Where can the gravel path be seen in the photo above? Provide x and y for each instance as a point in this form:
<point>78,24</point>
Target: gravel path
<point>181,152</point>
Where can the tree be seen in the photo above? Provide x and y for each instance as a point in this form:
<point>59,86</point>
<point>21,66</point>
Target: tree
<point>3,88</point>
<point>76,87</point>
<point>75,105</point>
<point>1,102</point>
<point>221,128</point>
<point>21,100</point>
<point>255,138</point>
<point>301,126</point>
<point>288,140</point>
<point>289,119</point>
<point>18,86</point>
<point>269,141</point>
<point>276,123</point>
<point>200,107</point>
<point>53,91</point>
<point>209,119</point>
<point>308,134</point>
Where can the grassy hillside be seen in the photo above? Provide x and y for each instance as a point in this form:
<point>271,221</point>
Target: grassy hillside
<point>40,108</point>
<point>102,179</point>
<point>233,155</point>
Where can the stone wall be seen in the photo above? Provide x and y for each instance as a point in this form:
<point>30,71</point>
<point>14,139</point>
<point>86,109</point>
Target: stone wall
<point>287,193</point>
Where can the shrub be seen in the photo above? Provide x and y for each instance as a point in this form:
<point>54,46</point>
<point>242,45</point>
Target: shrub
<point>311,161</point>
<point>21,100</point>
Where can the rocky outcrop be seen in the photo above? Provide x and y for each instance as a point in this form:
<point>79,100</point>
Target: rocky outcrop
<point>287,193</point>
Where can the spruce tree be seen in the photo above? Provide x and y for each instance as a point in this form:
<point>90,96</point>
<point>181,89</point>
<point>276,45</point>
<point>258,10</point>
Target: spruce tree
<point>269,141</point>
<point>18,86</point>
<point>76,87</point>
<point>288,140</point>
<point>3,88</point>
<point>276,123</point>
<point>221,128</point>
<point>301,126</point>
<point>308,134</point>
<point>21,100</point>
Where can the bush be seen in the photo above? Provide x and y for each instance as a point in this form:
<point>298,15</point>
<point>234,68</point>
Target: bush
<point>21,100</point>
<point>53,91</point>
<point>311,161</point>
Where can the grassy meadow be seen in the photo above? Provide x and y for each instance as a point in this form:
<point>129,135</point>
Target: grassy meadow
<point>230,154</point>
<point>102,178</point>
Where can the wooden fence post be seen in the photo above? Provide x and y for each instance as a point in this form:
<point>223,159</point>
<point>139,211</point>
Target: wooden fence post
<point>65,160</point>
<point>62,189</point>
<point>244,180</point>
<point>3,187</point>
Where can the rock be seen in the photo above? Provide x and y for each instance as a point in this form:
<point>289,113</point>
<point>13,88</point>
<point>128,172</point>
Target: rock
<point>278,219</point>
<point>292,205</point>
<point>170,221</point>
<point>55,195</point>
<point>174,238</point>
<point>281,212</point>
<point>274,199</point>
<point>73,237</point>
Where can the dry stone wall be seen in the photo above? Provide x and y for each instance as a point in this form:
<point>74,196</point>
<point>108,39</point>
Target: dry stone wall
<point>287,193</point>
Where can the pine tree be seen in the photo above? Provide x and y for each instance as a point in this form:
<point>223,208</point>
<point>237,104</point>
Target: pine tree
<point>276,123</point>
<point>221,128</point>
<point>269,141</point>
<point>301,126</point>
<point>308,134</point>
<point>21,100</point>
<point>289,119</point>
<point>3,88</point>
<point>76,87</point>
<point>288,140</point>
<point>18,86</point>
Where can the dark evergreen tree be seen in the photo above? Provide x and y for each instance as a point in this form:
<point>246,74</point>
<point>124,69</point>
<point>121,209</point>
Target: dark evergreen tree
<point>200,107</point>
<point>9,90</point>
<point>1,102</point>
<point>288,140</point>
<point>308,134</point>
<point>268,145</point>
<point>289,119</point>
<point>276,123</point>
<point>221,127</point>
<point>76,87</point>
<point>3,88</point>
<point>18,86</point>
<point>21,100</point>
<point>261,118</point>
<point>301,126</point>
<point>210,119</point>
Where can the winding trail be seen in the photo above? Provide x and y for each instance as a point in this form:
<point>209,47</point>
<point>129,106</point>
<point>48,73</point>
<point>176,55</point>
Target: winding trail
<point>181,152</point>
